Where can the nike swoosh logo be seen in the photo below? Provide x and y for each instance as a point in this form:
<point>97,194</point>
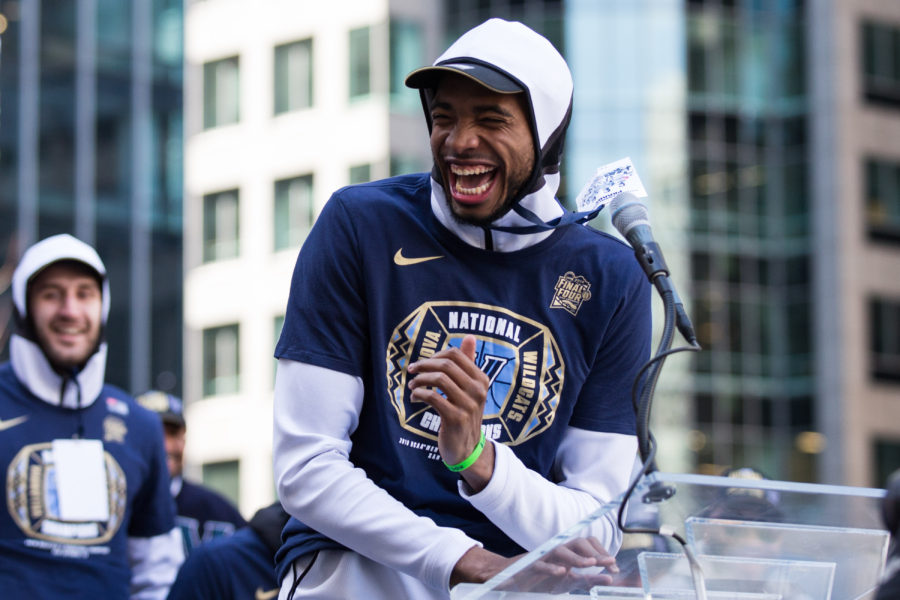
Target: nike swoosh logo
<point>12,422</point>
<point>262,595</point>
<point>402,261</point>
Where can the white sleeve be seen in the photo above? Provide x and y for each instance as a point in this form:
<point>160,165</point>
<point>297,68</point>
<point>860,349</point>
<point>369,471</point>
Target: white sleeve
<point>315,412</point>
<point>591,469</point>
<point>154,564</point>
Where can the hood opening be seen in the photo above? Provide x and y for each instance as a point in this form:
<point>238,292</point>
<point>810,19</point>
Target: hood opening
<point>24,322</point>
<point>501,55</point>
<point>30,364</point>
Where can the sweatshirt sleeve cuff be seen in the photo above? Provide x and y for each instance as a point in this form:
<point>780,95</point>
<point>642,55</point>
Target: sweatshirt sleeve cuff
<point>452,548</point>
<point>494,494</point>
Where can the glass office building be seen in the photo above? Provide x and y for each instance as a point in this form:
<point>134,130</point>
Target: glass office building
<point>748,125</point>
<point>750,235</point>
<point>91,144</point>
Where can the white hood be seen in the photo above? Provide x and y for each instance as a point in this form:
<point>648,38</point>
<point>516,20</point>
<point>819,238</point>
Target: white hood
<point>523,57</point>
<point>526,57</point>
<point>28,360</point>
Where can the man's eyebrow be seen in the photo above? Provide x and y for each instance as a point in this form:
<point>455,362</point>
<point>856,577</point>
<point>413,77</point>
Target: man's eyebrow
<point>51,283</point>
<point>495,108</point>
<point>479,109</point>
<point>43,286</point>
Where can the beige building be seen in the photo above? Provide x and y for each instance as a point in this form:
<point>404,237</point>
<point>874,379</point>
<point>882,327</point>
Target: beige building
<point>286,101</point>
<point>854,56</point>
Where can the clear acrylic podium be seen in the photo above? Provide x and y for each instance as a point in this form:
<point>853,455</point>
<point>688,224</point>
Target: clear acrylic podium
<point>750,540</point>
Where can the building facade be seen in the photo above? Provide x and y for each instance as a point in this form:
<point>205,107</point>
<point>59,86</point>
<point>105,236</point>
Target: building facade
<point>855,157</point>
<point>90,144</point>
<point>286,101</point>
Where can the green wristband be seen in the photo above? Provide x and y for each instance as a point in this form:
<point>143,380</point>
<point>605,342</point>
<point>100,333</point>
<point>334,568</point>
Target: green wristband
<point>468,462</point>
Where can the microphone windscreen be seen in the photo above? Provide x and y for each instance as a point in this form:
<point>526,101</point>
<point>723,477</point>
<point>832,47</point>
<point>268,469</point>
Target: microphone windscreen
<point>628,211</point>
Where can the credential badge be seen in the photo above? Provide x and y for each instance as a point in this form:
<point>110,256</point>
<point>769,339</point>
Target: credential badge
<point>571,291</point>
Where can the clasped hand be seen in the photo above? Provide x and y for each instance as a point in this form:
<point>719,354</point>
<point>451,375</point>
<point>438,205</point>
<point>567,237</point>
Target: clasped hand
<point>452,384</point>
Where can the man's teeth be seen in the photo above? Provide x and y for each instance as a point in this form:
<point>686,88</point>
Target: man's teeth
<point>468,171</point>
<point>475,170</point>
<point>69,331</point>
<point>470,191</point>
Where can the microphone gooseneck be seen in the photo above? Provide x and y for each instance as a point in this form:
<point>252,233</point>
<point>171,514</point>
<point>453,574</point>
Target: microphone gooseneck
<point>632,219</point>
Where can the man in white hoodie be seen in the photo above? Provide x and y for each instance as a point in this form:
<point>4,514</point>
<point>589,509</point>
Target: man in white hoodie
<point>90,513</point>
<point>455,367</point>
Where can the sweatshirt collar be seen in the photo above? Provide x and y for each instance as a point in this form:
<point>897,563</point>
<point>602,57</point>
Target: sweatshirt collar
<point>542,203</point>
<point>32,368</point>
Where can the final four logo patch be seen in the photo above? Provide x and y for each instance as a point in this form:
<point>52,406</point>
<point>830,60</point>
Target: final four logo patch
<point>519,355</point>
<point>570,292</point>
<point>114,430</point>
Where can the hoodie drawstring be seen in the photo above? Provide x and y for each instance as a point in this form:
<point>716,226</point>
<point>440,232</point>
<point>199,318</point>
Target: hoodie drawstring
<point>73,377</point>
<point>539,225</point>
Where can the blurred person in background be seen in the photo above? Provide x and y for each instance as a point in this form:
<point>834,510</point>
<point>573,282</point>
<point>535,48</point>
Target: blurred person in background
<point>201,513</point>
<point>744,503</point>
<point>89,509</point>
<point>237,567</point>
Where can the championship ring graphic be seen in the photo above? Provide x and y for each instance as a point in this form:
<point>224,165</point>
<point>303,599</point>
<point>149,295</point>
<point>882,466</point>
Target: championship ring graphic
<point>519,356</point>
<point>33,503</point>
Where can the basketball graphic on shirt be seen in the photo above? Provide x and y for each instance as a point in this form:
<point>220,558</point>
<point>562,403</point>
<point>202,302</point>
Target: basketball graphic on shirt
<point>519,356</point>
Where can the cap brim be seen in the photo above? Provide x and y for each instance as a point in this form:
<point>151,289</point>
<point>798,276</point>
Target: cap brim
<point>428,77</point>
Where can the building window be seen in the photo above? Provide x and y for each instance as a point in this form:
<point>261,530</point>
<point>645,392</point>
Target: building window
<point>221,92</point>
<point>360,174</point>
<point>407,53</point>
<point>225,478</point>
<point>293,76</point>
<point>278,325</point>
<point>887,460</point>
<point>401,165</point>
<point>884,342</point>
<point>360,63</point>
<point>220,226</point>
<point>221,360</point>
<point>294,211</point>
<point>881,63</point>
<point>883,200</point>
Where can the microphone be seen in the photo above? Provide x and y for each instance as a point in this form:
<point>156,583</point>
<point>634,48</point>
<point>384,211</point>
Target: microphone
<point>632,219</point>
